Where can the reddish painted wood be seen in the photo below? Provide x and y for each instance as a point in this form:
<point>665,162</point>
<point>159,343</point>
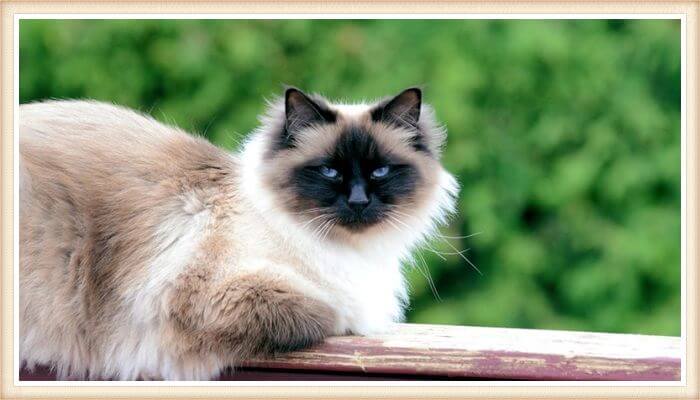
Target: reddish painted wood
<point>492,353</point>
<point>433,352</point>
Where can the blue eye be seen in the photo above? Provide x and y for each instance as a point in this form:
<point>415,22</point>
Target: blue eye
<point>328,172</point>
<point>380,172</point>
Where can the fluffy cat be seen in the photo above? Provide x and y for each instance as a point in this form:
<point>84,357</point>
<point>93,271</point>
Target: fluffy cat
<point>148,253</point>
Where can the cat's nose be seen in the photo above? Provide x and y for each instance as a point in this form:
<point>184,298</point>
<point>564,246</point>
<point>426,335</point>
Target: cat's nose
<point>358,197</point>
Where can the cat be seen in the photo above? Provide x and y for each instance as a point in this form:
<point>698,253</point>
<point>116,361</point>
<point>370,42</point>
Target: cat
<point>149,253</point>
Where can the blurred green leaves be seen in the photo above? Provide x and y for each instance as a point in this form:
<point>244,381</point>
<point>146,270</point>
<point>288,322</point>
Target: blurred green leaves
<point>565,136</point>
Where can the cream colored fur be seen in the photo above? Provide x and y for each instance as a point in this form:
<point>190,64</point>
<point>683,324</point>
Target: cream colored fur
<point>120,214</point>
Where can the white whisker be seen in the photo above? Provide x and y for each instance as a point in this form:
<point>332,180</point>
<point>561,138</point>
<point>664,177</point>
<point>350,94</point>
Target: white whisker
<point>423,271</point>
<point>312,220</point>
<point>427,275</point>
<point>464,258</point>
<point>457,237</point>
<point>444,238</point>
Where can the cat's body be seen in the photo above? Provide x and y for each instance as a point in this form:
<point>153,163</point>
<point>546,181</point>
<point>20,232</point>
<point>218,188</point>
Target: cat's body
<point>148,253</point>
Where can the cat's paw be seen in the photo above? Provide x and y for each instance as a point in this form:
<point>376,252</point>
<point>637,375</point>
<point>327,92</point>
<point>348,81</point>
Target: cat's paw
<point>247,316</point>
<point>281,318</point>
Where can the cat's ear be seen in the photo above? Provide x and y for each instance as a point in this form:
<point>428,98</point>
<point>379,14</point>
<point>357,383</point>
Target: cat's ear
<point>403,109</point>
<point>302,111</point>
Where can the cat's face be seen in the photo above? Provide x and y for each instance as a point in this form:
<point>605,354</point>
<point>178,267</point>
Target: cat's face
<point>347,170</point>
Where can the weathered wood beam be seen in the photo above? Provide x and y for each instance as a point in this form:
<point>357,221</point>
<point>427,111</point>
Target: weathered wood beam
<point>444,351</point>
<point>438,352</point>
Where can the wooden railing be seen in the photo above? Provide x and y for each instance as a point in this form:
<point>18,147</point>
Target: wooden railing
<point>440,352</point>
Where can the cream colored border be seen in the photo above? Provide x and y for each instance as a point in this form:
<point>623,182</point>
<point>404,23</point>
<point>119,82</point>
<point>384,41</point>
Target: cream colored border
<point>689,8</point>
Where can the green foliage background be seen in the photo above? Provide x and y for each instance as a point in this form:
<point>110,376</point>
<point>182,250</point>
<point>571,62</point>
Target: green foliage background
<point>564,134</point>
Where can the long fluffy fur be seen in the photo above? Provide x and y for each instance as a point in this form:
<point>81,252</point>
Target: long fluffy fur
<point>148,253</point>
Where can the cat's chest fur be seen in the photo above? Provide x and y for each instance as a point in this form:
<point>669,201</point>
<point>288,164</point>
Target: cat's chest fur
<point>367,295</point>
<point>367,291</point>
<point>365,287</point>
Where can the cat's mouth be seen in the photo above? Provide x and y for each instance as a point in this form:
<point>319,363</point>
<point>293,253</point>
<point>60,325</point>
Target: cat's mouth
<point>357,224</point>
<point>351,221</point>
<point>359,219</point>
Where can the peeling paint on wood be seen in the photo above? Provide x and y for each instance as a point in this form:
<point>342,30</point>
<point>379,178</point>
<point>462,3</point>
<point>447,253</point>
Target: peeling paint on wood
<point>437,352</point>
<point>492,353</point>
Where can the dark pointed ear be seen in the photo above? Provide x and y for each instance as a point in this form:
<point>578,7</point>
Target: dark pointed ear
<point>301,111</point>
<point>404,109</point>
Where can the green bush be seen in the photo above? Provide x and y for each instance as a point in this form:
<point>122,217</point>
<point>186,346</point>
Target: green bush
<point>565,136</point>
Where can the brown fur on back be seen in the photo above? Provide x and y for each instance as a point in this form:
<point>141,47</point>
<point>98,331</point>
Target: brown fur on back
<point>101,190</point>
